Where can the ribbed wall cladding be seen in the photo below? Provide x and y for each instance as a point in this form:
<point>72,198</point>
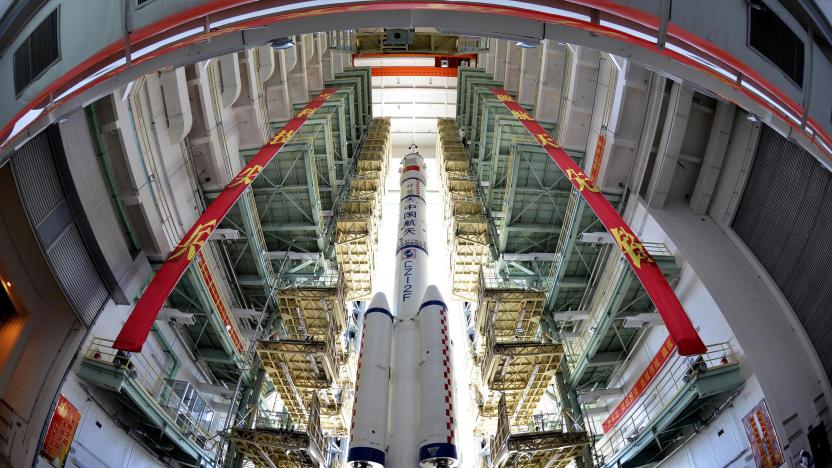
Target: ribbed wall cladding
<point>785,219</point>
<point>77,275</point>
<point>37,179</point>
<point>41,193</point>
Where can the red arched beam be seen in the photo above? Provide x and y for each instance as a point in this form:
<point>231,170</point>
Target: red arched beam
<point>617,21</point>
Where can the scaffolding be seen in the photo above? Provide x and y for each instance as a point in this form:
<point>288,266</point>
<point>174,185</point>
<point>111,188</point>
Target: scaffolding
<point>276,441</point>
<point>310,358</point>
<point>509,309</point>
<point>520,372</point>
<point>311,310</point>
<point>356,234</point>
<point>544,446</point>
<point>468,236</point>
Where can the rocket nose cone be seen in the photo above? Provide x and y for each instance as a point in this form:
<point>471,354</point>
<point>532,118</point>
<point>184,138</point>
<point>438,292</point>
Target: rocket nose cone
<point>379,301</point>
<point>432,294</point>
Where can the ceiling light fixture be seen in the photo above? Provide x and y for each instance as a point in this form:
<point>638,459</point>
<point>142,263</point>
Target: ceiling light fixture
<point>527,45</point>
<point>282,43</point>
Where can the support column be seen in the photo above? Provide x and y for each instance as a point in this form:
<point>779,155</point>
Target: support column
<point>569,402</point>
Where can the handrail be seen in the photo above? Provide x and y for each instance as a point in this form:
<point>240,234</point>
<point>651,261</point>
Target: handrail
<point>156,387</point>
<point>607,291</point>
<point>673,378</point>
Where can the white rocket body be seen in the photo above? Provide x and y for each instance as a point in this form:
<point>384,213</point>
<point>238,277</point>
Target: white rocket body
<point>437,428</point>
<point>368,441</point>
<point>420,429</point>
<point>411,280</point>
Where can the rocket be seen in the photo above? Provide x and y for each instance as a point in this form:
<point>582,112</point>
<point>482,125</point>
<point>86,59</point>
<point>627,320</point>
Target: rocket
<point>420,429</point>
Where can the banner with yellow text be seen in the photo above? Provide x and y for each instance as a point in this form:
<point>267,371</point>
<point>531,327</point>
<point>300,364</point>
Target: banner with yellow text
<point>648,273</point>
<point>763,438</point>
<point>134,332</point>
<point>61,431</point>
<point>641,384</point>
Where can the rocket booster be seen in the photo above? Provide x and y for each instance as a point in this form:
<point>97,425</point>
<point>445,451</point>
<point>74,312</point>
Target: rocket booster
<point>437,438</point>
<point>368,442</point>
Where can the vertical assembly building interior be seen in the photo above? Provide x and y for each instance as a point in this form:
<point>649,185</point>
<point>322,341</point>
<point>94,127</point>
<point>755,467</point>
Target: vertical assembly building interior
<point>706,125</point>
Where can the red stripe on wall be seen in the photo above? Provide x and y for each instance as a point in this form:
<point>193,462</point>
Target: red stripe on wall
<point>414,71</point>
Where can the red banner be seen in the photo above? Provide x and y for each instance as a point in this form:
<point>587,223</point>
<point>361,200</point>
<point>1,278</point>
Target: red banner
<point>61,431</point>
<point>219,303</point>
<point>134,332</point>
<point>763,438</point>
<point>641,384</point>
<point>643,264</point>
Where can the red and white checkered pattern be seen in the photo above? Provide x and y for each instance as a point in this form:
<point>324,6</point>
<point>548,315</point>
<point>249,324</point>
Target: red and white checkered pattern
<point>446,362</point>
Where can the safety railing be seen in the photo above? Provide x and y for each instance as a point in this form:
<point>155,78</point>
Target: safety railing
<point>491,279</point>
<point>607,291</point>
<point>325,280</point>
<point>157,388</point>
<point>278,420</point>
<point>543,422</point>
<point>674,376</point>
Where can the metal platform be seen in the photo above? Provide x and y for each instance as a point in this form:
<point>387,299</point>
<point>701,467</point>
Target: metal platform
<point>546,448</point>
<point>299,369</point>
<point>604,342</point>
<point>508,309</point>
<point>149,400</point>
<point>520,372</point>
<point>276,442</point>
<point>676,403</point>
<point>313,311</point>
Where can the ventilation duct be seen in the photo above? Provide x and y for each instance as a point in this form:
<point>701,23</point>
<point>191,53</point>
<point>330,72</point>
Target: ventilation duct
<point>177,104</point>
<point>231,85</point>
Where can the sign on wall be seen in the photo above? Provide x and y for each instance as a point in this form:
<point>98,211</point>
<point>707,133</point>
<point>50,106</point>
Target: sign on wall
<point>599,155</point>
<point>760,432</point>
<point>61,431</point>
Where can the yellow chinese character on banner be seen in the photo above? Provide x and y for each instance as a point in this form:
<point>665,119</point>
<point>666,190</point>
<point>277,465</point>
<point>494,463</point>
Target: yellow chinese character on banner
<point>581,181</point>
<point>306,113</point>
<point>505,98</point>
<point>281,137</point>
<point>631,247</point>
<point>326,95</point>
<point>247,176</point>
<point>546,140</point>
<point>195,241</point>
<point>522,115</point>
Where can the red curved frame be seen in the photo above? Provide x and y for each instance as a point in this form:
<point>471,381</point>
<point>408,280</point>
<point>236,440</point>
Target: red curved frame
<point>634,22</point>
